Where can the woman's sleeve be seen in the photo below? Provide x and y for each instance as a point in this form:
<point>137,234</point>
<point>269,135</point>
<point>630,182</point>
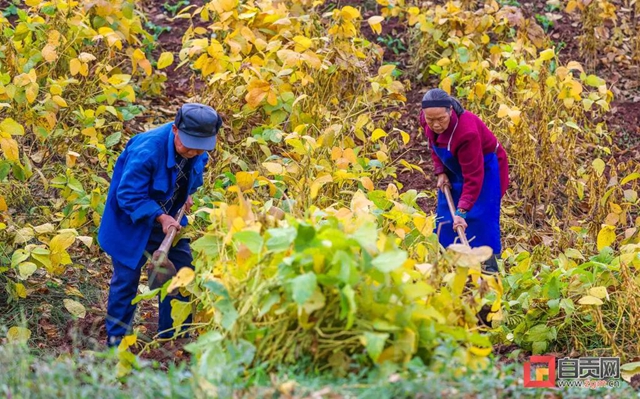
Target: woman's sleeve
<point>438,167</point>
<point>469,155</point>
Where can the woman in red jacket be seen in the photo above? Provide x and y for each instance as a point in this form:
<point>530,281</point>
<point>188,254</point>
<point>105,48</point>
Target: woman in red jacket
<point>468,158</point>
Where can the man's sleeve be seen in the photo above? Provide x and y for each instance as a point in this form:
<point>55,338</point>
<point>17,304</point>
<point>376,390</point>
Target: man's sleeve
<point>469,155</point>
<point>133,192</point>
<point>438,167</point>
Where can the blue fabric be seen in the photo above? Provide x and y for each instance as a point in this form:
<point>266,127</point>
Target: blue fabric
<point>483,220</point>
<point>124,288</point>
<point>144,176</point>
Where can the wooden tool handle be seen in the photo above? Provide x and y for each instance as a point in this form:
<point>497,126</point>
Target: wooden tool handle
<point>452,209</point>
<point>171,234</point>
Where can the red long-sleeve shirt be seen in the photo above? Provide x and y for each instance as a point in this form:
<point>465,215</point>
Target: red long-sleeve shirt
<point>471,141</point>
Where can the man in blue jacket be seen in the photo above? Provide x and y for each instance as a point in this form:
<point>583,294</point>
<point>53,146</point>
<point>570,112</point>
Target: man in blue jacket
<point>153,178</point>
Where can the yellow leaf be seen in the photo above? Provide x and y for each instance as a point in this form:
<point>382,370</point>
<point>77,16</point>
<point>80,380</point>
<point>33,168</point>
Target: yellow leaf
<point>350,155</point>
<point>480,351</point>
<point>21,292</point>
<point>75,308</point>
<point>3,204</point>
<point>127,342</point>
<point>367,183</point>
<point>88,57</point>
<point>377,134</point>
<point>165,60</point>
<point>503,111</point>
<point>386,70</point>
<point>274,168</point>
<point>599,292</point>
<point>590,300</point>
<point>23,235</point>
<point>72,156</point>
<point>272,99</point>
<point>184,276</point>
<point>10,149</point>
<point>245,180</point>
<point>443,62</point>
<point>336,153</point>
<point>145,65</point>
<point>598,166</point>
<point>62,241</point>
<point>446,85</point>
<point>32,92</point>
<point>302,43</point>
<point>18,334</point>
<point>615,208</point>
<point>59,101</point>
<point>222,6</point>
<point>49,53</point>
<point>9,125</point>
<point>255,96</point>
<point>374,23</point>
<point>349,13</point>
<point>547,54</point>
<point>74,66</point>
<point>26,269</point>
<point>480,90</point>
<point>405,137</point>
<point>606,237</point>
<point>318,183</point>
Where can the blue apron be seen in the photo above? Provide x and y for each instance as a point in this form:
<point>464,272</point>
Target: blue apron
<point>483,219</point>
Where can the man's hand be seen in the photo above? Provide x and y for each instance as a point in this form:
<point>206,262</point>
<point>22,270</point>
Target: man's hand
<point>167,221</point>
<point>188,205</point>
<point>443,180</point>
<point>459,222</point>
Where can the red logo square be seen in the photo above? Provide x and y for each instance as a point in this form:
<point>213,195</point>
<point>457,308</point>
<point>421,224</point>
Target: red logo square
<point>549,370</point>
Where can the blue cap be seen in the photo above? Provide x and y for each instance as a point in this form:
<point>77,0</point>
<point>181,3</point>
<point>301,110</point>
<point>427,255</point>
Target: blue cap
<point>198,126</point>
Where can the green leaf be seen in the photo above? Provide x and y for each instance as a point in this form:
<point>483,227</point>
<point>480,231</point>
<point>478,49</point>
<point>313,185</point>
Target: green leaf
<point>217,288</point>
<point>304,237</point>
<point>303,286</point>
<point>19,256</point>
<point>539,347</point>
<point>280,239</point>
<point>147,295</point>
<point>208,245</point>
<point>551,289</point>
<point>348,305</point>
<point>594,81</point>
<point>374,343</point>
<point>75,185</point>
<point>389,261</point>
<point>229,313</point>
<point>366,236</point>
<point>113,139</point>
<point>180,310</point>
<point>251,239</point>
<point>267,304</point>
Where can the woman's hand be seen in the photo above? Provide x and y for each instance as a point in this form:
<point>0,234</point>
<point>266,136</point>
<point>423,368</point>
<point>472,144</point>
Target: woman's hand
<point>188,205</point>
<point>459,222</point>
<point>443,180</point>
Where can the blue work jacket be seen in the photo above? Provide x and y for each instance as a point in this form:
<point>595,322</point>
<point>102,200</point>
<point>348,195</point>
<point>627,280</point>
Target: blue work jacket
<point>144,176</point>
